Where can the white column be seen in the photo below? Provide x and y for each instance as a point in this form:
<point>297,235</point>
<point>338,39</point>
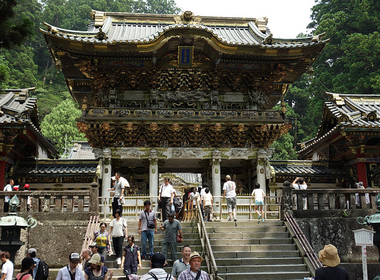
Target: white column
<point>216,187</point>
<point>260,171</point>
<point>106,174</point>
<point>153,174</point>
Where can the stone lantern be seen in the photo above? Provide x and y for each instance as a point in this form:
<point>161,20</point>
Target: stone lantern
<point>11,226</point>
<point>374,222</point>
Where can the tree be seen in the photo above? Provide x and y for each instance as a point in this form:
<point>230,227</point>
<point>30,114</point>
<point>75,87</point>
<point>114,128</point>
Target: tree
<point>60,125</point>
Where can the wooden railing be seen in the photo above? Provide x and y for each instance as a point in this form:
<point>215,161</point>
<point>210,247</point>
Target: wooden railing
<point>55,201</point>
<point>91,228</point>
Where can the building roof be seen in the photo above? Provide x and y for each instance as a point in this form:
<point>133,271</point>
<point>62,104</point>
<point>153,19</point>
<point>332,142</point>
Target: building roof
<point>18,108</point>
<point>81,150</point>
<point>304,168</point>
<point>61,168</point>
<point>126,28</point>
<point>346,112</point>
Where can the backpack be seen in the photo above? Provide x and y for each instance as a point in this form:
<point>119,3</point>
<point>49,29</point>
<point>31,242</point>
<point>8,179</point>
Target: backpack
<point>42,271</point>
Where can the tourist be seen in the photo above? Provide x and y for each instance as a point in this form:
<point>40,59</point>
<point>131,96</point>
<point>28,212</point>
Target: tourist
<point>7,268</point>
<point>101,237</point>
<point>194,196</point>
<point>171,227</point>
<point>360,186</point>
<point>96,270</point>
<point>8,188</point>
<point>229,192</point>
<point>71,271</point>
<point>118,229</point>
<point>208,204</point>
<point>32,253</point>
<point>330,271</point>
<point>300,184</point>
<point>147,229</point>
<point>157,272</point>
<point>182,264</point>
<point>29,199</point>
<point>119,185</point>
<point>131,258</point>
<point>94,247</point>
<point>194,272</point>
<point>86,255</point>
<point>27,266</point>
<point>259,195</point>
<point>165,198</point>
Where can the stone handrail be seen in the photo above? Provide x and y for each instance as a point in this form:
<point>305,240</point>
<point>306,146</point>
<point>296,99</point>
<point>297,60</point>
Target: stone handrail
<point>55,201</point>
<point>329,202</point>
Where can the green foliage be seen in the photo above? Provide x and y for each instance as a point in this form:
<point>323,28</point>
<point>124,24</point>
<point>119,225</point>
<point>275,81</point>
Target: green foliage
<point>14,27</point>
<point>60,125</point>
<point>156,7</point>
<point>48,99</point>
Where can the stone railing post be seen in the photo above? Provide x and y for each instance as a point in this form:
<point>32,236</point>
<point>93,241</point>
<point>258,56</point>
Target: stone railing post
<point>94,198</point>
<point>286,202</point>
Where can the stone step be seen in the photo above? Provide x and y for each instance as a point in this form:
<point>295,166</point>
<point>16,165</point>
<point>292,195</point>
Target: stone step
<point>244,223</point>
<point>259,261</point>
<point>283,275</point>
<point>256,254</point>
<point>250,241</point>
<point>158,242</point>
<point>261,268</point>
<point>251,248</point>
<point>231,229</point>
<point>247,235</point>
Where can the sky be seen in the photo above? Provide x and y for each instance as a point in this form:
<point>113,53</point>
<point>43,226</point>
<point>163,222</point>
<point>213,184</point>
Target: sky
<point>286,18</point>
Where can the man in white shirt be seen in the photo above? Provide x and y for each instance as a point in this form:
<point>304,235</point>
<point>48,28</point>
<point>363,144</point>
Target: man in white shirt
<point>72,270</point>
<point>165,198</point>
<point>120,184</point>
<point>7,268</point>
<point>8,188</point>
<point>229,189</point>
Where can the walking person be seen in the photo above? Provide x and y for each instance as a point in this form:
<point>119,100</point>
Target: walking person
<point>171,226</point>
<point>131,260</point>
<point>259,195</point>
<point>157,271</point>
<point>8,267</point>
<point>101,237</point>
<point>229,192</point>
<point>8,188</point>
<point>183,263</point>
<point>300,184</point>
<point>118,229</point>
<point>86,255</point>
<point>194,196</point>
<point>27,266</point>
<point>71,271</point>
<point>97,271</point>
<point>94,247</point>
<point>208,204</point>
<point>147,229</point>
<point>194,272</point>
<point>165,198</point>
<point>330,259</point>
<point>120,184</point>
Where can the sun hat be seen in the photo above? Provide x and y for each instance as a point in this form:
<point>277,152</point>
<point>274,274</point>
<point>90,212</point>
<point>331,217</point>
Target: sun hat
<point>329,256</point>
<point>195,254</point>
<point>95,259</point>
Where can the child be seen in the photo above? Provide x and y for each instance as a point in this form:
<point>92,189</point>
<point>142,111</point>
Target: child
<point>259,195</point>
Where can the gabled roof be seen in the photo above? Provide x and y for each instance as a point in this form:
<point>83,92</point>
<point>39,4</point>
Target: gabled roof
<point>304,168</point>
<point>346,112</point>
<point>18,108</point>
<point>129,29</point>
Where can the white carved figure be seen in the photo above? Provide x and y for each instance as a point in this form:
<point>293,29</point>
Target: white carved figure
<point>107,152</point>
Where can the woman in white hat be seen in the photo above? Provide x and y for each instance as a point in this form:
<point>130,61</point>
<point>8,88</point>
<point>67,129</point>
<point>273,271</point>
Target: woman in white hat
<point>330,271</point>
<point>96,271</point>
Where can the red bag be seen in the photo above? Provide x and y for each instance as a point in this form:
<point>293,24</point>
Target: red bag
<point>179,240</point>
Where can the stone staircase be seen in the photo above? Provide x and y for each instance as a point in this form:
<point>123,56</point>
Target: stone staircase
<point>191,238</point>
<point>255,250</point>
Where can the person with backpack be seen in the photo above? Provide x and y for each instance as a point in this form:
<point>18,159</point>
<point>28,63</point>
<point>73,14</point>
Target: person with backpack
<point>27,266</point>
<point>157,271</point>
<point>41,270</point>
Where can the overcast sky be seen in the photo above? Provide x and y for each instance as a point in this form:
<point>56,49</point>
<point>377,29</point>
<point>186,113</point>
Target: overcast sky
<point>287,18</point>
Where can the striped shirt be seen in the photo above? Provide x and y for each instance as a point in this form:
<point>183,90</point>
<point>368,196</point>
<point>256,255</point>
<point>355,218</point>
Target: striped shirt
<point>189,275</point>
<point>159,272</point>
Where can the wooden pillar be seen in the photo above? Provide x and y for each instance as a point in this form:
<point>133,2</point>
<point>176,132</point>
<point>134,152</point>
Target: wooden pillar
<point>362,173</point>
<point>2,175</point>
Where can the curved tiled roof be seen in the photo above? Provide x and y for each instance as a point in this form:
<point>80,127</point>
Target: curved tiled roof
<point>132,33</point>
<point>304,170</point>
<point>62,168</point>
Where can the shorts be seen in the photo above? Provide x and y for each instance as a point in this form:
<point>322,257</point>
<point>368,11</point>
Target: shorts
<point>231,204</point>
<point>259,202</point>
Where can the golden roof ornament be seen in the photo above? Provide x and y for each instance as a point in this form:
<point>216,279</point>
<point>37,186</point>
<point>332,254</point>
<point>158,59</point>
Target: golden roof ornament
<point>187,17</point>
